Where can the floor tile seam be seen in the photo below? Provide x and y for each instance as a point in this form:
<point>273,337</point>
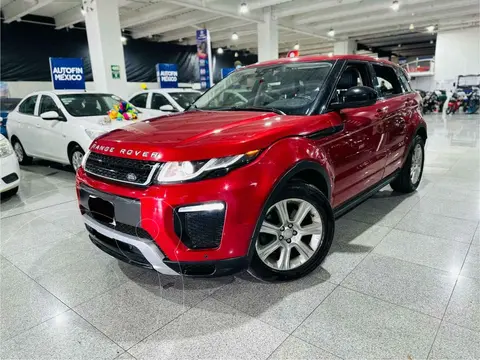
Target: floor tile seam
<point>461,326</point>
<point>29,211</point>
<point>389,302</point>
<point>434,236</point>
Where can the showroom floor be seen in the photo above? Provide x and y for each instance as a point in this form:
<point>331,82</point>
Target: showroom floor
<point>402,280</point>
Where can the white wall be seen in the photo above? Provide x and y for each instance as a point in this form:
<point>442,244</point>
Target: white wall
<point>425,83</point>
<point>457,53</point>
<point>19,89</point>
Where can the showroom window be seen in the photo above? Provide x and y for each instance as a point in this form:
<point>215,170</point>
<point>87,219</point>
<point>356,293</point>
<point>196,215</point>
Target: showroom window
<point>159,100</point>
<point>28,106</point>
<point>140,100</point>
<point>47,104</point>
<point>388,84</point>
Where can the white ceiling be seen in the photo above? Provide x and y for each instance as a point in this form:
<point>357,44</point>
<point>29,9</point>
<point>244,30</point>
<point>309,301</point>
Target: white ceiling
<point>370,22</point>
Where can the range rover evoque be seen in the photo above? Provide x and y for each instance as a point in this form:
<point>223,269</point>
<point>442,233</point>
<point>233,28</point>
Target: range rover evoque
<point>254,174</point>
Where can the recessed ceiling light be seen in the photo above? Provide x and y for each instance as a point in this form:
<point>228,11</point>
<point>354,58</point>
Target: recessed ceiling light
<point>234,36</point>
<point>296,46</point>
<point>395,5</point>
<point>236,54</point>
<point>331,32</point>
<point>399,45</point>
<point>411,27</point>
<point>244,8</point>
<point>330,54</point>
<point>83,11</point>
<point>220,51</point>
<point>431,41</point>
<point>431,28</point>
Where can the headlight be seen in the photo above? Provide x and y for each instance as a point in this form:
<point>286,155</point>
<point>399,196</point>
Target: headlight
<point>5,147</point>
<point>84,159</point>
<point>93,134</point>
<point>179,171</point>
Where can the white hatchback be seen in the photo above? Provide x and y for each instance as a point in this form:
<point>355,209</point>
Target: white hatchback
<point>60,125</point>
<point>164,101</point>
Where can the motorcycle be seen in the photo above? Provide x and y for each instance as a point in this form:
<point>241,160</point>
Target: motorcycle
<point>429,103</point>
<point>472,102</point>
<point>454,104</point>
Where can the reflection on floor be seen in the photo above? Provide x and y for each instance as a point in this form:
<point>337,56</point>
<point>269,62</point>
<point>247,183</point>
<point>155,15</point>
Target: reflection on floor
<point>402,280</point>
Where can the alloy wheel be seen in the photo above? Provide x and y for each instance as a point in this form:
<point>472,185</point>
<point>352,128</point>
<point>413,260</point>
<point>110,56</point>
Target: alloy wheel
<point>290,234</point>
<point>77,158</point>
<point>416,167</point>
<point>17,147</point>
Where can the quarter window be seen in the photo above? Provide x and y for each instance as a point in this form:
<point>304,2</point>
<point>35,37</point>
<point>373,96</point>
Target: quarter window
<point>140,100</point>
<point>28,105</point>
<point>387,84</point>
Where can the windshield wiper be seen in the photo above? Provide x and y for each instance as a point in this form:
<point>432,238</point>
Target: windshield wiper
<point>251,108</point>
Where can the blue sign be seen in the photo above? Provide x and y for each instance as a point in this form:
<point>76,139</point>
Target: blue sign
<point>67,73</point>
<point>226,71</point>
<point>204,54</point>
<point>167,75</point>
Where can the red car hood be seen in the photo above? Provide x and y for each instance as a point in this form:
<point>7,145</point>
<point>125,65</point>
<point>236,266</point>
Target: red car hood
<point>201,135</point>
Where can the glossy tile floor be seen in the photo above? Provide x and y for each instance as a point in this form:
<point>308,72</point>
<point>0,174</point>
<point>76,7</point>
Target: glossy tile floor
<point>402,280</point>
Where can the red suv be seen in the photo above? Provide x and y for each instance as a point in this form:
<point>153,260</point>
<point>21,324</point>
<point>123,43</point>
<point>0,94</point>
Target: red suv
<point>254,174</point>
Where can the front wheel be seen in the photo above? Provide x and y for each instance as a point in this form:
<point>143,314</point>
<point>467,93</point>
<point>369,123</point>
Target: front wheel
<point>411,173</point>
<point>295,234</point>
<point>76,156</point>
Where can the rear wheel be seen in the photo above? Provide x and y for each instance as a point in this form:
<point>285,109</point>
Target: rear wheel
<point>295,234</point>
<point>76,156</point>
<point>411,173</point>
<point>22,157</point>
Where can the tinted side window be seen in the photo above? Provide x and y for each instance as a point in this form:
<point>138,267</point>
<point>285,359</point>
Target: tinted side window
<point>28,105</point>
<point>388,83</point>
<point>47,104</point>
<point>140,100</point>
<point>159,100</point>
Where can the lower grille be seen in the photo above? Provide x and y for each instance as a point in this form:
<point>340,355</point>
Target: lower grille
<point>131,171</point>
<point>120,227</point>
<point>200,229</point>
<point>10,178</point>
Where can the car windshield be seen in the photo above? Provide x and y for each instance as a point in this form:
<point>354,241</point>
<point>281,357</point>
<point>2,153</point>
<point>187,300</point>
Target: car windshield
<point>185,99</point>
<point>287,88</point>
<point>89,104</point>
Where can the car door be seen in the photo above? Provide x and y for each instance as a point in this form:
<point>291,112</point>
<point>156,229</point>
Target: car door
<point>140,101</point>
<point>357,153</point>
<point>51,133</point>
<point>159,100</point>
<point>398,106</point>
<point>25,123</point>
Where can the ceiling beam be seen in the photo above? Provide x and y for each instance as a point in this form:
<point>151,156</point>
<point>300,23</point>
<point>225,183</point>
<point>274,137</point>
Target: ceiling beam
<point>150,14</point>
<point>18,8</point>
<point>308,6</point>
<point>68,18</point>
<point>174,22</point>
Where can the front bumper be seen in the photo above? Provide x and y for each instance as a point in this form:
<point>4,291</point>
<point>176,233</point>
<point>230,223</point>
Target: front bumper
<point>154,214</point>
<point>10,176</point>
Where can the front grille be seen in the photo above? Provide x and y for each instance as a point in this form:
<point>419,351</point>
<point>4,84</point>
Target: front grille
<point>200,229</point>
<point>10,178</point>
<point>131,171</point>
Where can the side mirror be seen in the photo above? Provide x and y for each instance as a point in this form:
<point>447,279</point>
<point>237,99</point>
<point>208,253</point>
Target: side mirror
<point>50,115</point>
<point>356,97</point>
<point>169,108</point>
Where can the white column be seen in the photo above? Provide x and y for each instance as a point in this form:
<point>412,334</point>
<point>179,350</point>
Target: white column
<point>457,52</point>
<point>267,36</point>
<point>105,47</point>
<point>346,47</point>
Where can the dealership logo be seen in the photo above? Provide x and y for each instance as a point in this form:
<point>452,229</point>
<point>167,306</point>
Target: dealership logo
<point>62,73</point>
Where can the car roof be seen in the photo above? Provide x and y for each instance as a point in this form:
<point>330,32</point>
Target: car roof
<point>313,58</point>
<point>63,92</point>
<point>172,90</point>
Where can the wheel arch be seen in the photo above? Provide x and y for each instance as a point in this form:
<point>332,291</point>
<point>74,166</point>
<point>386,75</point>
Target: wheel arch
<point>304,170</point>
<point>70,147</point>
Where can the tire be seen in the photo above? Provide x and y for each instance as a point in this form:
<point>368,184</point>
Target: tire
<point>306,252</point>
<point>408,179</point>
<point>22,157</point>
<point>75,155</point>
<point>449,110</point>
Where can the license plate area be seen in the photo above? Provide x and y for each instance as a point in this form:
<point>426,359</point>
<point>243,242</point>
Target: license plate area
<point>101,210</point>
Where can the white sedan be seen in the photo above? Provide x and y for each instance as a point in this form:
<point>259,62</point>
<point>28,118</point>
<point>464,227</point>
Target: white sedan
<point>164,101</point>
<point>60,125</point>
<point>9,169</point>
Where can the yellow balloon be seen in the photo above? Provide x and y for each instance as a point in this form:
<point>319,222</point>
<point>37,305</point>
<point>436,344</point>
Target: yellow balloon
<point>143,86</point>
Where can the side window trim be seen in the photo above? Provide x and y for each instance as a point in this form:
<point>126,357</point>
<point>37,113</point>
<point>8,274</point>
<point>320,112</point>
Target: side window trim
<point>149,100</point>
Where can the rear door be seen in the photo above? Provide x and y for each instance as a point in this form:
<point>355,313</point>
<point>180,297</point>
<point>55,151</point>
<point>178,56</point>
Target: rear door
<point>358,156</point>
<point>398,105</point>
<point>140,100</point>
<point>25,123</point>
